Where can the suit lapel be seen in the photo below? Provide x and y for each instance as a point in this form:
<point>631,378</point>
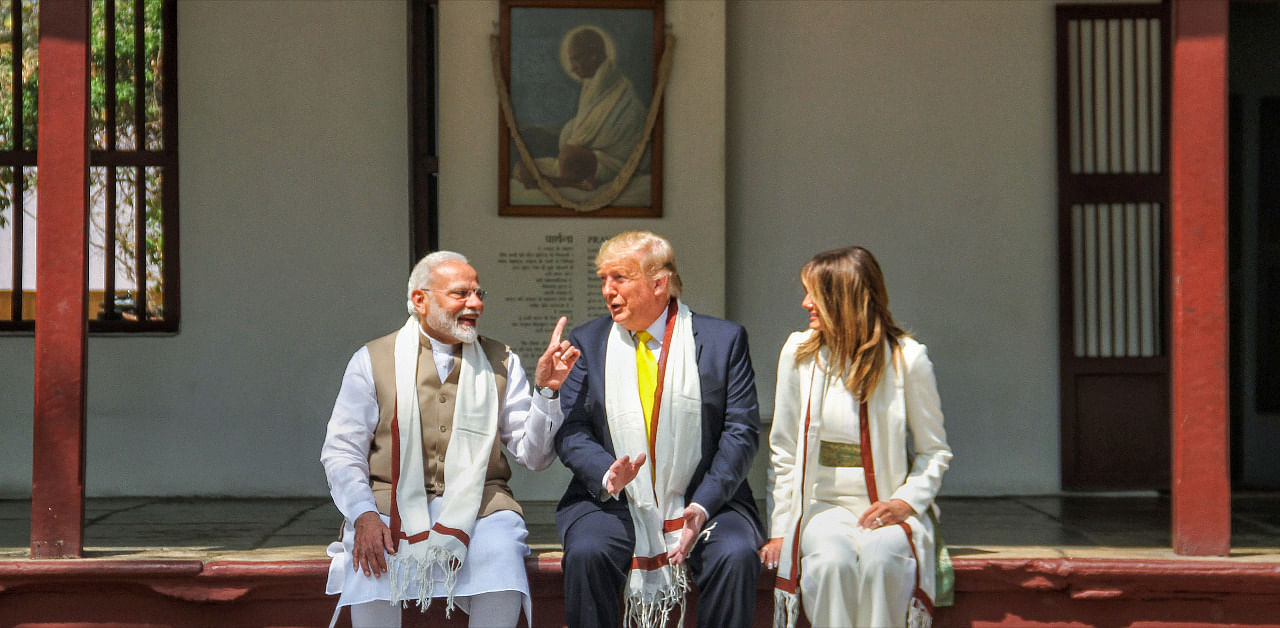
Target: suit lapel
<point>595,373</point>
<point>697,344</point>
<point>601,342</point>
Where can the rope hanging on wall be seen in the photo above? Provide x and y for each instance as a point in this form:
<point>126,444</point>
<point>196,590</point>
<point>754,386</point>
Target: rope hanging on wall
<point>610,192</point>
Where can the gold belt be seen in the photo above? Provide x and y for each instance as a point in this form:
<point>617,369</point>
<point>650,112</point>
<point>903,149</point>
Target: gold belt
<point>839,454</point>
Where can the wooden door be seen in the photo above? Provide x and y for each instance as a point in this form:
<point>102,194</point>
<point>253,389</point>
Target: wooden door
<point>1113,207</point>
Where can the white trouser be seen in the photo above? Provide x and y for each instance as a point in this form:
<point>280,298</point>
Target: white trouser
<point>851,576</point>
<point>499,609</point>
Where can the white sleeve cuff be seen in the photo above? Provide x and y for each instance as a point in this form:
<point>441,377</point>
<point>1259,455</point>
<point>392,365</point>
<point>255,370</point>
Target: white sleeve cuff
<point>550,409</point>
<point>355,509</point>
<point>706,515</point>
<point>605,495</point>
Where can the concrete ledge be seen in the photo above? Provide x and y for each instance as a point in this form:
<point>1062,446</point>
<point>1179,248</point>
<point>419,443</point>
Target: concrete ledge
<point>1094,578</point>
<point>990,592</point>
<point>1100,592</point>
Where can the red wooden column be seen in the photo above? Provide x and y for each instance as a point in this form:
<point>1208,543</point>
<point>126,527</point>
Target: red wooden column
<point>1201,486</point>
<point>62,272</point>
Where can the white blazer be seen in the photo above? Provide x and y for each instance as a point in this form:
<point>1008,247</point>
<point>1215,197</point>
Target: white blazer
<point>908,442</point>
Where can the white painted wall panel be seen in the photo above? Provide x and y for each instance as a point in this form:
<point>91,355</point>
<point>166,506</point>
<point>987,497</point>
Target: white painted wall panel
<point>923,130</point>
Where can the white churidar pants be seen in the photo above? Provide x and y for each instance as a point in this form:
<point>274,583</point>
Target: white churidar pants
<point>852,576</point>
<point>494,566</point>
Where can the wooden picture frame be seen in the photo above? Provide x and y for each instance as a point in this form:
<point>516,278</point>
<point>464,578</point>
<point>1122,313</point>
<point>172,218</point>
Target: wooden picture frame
<point>581,75</point>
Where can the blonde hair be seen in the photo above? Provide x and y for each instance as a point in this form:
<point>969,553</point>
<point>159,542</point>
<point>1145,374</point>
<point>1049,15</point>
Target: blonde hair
<point>848,290</point>
<point>652,252</point>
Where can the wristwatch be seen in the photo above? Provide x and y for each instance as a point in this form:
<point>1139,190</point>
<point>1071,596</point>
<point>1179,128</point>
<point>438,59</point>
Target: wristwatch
<point>547,392</point>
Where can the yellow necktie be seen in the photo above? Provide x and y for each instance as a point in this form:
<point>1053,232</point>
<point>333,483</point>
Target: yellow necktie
<point>646,376</point>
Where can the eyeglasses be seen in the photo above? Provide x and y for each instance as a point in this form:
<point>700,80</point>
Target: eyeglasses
<point>462,295</point>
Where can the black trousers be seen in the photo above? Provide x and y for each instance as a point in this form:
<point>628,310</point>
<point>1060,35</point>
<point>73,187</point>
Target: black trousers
<point>598,550</point>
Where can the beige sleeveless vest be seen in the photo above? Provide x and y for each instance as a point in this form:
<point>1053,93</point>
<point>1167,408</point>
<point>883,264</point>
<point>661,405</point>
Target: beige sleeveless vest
<point>435,403</point>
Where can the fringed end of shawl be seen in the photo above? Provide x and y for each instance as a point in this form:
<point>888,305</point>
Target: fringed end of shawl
<point>651,610</point>
<point>786,609</point>
<point>918,615</point>
<point>413,573</point>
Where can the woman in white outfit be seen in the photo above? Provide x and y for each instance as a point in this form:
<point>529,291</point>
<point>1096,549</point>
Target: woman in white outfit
<point>858,451</point>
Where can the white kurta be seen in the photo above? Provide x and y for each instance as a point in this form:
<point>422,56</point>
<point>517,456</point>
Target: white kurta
<point>849,575</point>
<point>495,562</point>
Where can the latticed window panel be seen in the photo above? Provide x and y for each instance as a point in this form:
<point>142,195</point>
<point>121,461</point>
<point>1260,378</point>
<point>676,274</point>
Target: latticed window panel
<point>1116,287</point>
<point>1113,182</point>
<point>133,211</point>
<point>1114,95</point>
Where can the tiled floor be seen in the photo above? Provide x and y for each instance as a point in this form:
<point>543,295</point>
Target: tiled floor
<point>299,528</point>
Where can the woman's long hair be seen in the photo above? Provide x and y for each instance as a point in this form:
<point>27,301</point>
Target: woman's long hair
<point>847,288</point>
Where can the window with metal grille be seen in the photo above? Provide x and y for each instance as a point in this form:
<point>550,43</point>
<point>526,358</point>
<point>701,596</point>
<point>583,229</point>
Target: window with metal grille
<point>133,157</point>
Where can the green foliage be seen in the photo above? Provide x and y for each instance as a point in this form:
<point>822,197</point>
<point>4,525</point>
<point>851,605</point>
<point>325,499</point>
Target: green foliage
<point>126,103</point>
<point>127,97</point>
<point>29,91</point>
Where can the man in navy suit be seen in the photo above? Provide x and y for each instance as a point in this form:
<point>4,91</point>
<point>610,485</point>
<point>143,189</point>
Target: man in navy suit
<point>641,288</point>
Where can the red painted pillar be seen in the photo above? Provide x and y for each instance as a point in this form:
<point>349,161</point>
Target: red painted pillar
<point>1201,486</point>
<point>62,272</point>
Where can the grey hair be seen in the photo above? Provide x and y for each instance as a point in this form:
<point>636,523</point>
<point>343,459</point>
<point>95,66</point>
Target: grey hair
<point>422,271</point>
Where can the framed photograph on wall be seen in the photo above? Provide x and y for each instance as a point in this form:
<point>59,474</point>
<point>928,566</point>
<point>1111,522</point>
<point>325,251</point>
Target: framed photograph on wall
<point>581,77</point>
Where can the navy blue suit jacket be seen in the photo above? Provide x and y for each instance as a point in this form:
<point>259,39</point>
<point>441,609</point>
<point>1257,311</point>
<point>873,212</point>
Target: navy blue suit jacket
<point>730,423</point>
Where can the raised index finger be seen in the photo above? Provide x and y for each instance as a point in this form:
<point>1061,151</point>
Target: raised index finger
<point>555,335</point>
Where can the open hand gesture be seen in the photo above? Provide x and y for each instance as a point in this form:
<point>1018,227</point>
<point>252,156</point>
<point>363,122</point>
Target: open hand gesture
<point>556,362</point>
<point>694,519</point>
<point>621,472</point>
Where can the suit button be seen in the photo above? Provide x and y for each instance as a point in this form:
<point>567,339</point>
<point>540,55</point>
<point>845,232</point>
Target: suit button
<point>443,398</point>
<point>440,458</point>
<point>443,428</point>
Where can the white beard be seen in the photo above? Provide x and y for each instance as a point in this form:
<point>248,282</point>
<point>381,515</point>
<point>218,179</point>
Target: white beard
<point>439,321</point>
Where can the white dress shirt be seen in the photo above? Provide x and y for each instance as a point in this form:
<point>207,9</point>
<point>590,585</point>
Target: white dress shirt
<point>527,425</point>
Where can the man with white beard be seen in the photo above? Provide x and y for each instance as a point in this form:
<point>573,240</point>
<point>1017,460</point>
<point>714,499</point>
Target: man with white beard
<point>414,460</point>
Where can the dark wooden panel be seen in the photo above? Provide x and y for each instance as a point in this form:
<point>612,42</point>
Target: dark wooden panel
<point>1268,376</point>
<point>424,215</point>
<point>1122,432</point>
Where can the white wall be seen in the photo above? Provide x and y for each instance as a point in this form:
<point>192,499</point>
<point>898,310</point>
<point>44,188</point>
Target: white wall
<point>693,184</point>
<point>922,130</point>
<point>294,190</point>
<point>925,132</point>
